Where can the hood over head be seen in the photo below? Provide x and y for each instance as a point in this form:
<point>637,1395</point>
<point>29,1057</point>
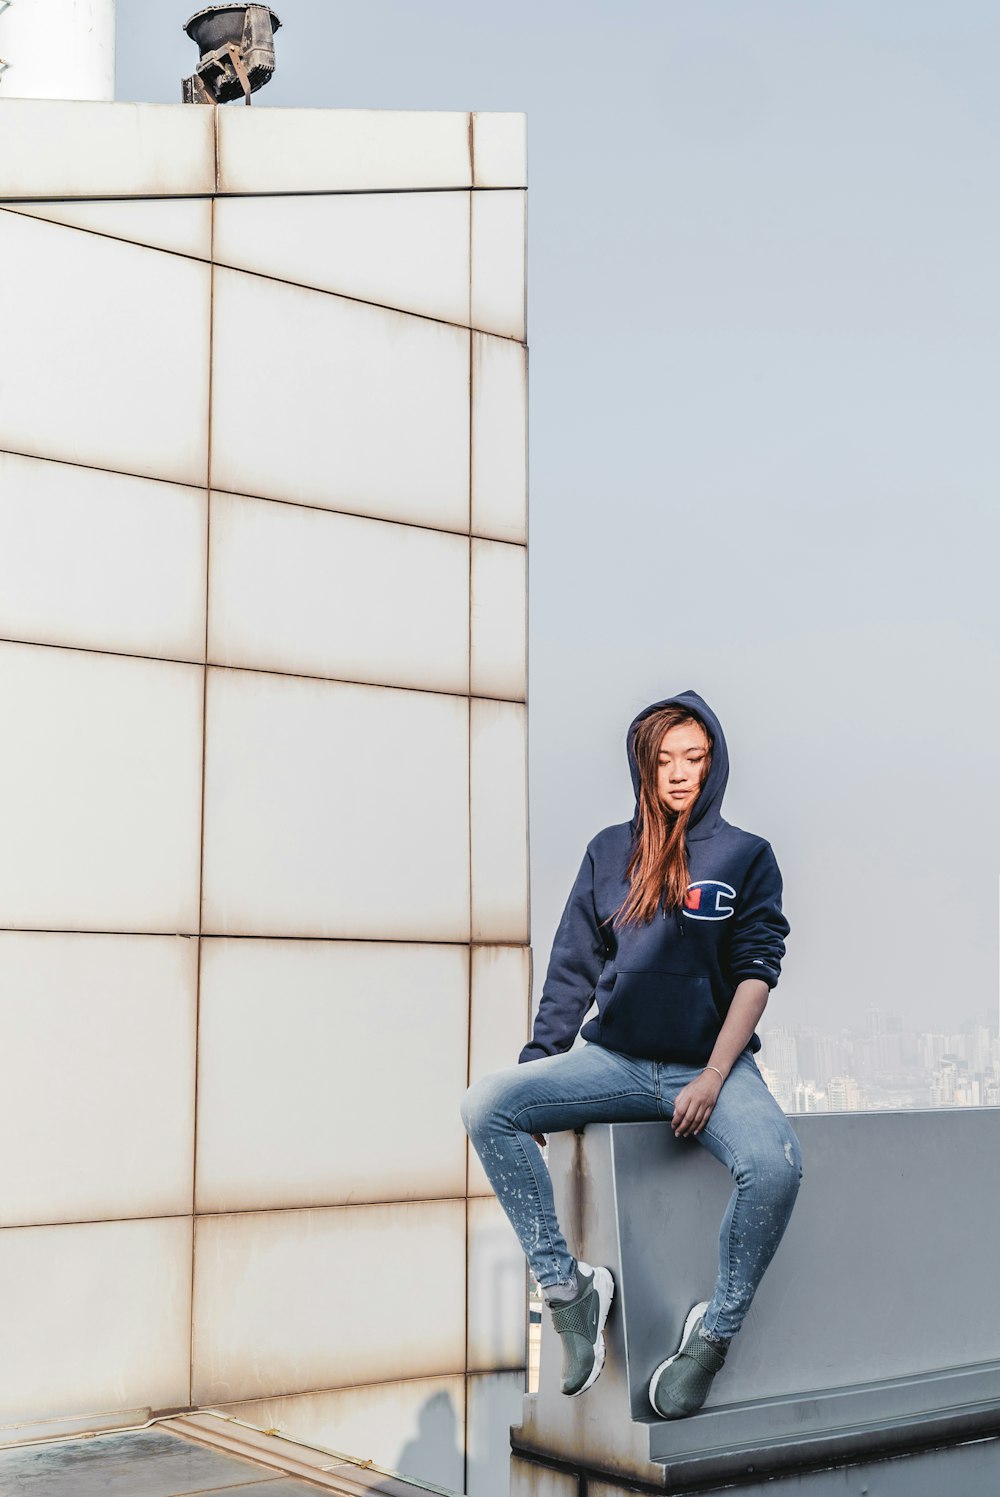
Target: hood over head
<point>706,812</point>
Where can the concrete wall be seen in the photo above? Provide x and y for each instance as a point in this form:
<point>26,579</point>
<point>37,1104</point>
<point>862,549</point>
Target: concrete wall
<point>870,1344</point>
<point>263,865</point>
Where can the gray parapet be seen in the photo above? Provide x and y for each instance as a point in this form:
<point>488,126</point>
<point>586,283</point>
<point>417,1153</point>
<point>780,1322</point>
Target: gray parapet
<point>873,1345</point>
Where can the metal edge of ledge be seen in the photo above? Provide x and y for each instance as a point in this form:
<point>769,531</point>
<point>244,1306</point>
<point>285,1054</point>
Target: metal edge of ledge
<point>281,1453</point>
<point>888,1413</point>
<point>824,1449</point>
<point>830,1449</point>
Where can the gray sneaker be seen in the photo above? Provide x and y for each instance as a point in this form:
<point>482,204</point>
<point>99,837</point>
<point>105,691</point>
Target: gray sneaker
<point>680,1385</point>
<point>580,1323</point>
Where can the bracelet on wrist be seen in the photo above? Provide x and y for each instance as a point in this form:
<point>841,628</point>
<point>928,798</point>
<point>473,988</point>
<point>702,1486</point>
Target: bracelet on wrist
<point>716,1070</point>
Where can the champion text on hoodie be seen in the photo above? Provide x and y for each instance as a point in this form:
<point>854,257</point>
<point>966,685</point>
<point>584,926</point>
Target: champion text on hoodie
<point>663,989</point>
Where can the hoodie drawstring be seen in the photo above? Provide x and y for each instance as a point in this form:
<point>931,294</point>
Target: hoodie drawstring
<point>677,917</point>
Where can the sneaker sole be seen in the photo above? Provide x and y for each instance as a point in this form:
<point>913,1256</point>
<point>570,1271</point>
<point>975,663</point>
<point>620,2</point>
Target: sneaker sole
<point>605,1286</point>
<point>689,1326</point>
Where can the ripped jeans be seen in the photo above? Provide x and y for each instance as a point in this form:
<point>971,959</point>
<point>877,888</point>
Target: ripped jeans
<point>747,1131</point>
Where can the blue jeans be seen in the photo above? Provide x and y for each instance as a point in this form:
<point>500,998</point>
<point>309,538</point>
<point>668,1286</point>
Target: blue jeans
<point>747,1131</point>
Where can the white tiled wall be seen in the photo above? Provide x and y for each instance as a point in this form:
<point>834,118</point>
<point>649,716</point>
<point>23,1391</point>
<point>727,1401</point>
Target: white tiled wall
<point>500,1016</point>
<point>304,591</point>
<point>101,561</point>
<point>499,605</point>
<point>100,791</point>
<point>335,810</point>
<point>499,438</point>
<point>97,1052</point>
<point>343,405</point>
<point>343,150</point>
<point>499,797</point>
<point>294,1301</point>
<point>115,375</point>
<point>182,225</point>
<point>53,148</point>
<point>263,864</point>
<point>501,1004</point>
<point>497,1288</point>
<point>408,250</point>
<point>498,291</point>
<point>500,150</point>
<point>314,1111</point>
<point>95,1317</point>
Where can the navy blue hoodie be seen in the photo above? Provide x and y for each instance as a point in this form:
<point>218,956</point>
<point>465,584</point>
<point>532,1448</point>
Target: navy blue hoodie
<point>663,989</point>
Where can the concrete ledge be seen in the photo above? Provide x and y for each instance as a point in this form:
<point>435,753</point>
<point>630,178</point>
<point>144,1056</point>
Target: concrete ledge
<point>826,1429</point>
<point>873,1331</point>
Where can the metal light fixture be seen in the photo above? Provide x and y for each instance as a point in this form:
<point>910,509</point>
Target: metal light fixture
<point>236,43</point>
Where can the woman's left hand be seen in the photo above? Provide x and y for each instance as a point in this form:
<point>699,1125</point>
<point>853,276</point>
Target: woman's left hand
<point>694,1104</point>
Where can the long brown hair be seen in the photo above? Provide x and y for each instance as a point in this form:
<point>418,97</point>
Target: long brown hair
<point>658,869</point>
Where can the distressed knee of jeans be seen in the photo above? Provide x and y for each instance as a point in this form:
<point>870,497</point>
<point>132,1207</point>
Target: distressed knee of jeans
<point>793,1158</point>
<point>770,1177</point>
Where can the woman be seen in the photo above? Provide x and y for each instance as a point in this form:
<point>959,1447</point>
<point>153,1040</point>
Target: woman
<point>674,929</point>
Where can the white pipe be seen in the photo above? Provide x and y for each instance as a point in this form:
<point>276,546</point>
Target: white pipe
<point>57,49</point>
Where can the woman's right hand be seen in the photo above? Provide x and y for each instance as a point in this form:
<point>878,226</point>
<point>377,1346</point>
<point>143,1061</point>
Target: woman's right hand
<point>694,1103</point>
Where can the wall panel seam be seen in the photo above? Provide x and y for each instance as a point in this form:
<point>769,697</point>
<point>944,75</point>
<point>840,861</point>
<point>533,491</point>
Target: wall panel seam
<point>223,935</point>
<point>98,1221</point>
<point>322,509</point>
<point>419,1377</point>
<point>278,193</point>
<point>242,1211</point>
<point>260,275</point>
<point>270,1211</point>
<point>204,753</point>
<point>263,670</point>
<point>472,928</point>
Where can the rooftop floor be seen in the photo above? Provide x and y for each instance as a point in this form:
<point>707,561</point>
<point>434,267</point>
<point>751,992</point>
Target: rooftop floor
<point>139,1463</point>
<point>192,1455</point>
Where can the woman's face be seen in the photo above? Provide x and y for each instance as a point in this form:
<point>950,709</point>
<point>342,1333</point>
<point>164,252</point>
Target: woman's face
<point>681,767</point>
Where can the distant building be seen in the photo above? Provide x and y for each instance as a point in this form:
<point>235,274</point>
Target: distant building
<point>781,1054</point>
<point>844,1094</point>
<point>807,1098</point>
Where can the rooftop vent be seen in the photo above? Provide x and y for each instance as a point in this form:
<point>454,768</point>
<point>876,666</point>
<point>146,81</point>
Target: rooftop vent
<point>236,43</point>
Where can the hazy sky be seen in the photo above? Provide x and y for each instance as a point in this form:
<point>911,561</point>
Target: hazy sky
<point>764,318</point>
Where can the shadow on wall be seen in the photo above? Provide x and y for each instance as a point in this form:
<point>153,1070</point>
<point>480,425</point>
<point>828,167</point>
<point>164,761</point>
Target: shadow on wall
<point>436,1449</point>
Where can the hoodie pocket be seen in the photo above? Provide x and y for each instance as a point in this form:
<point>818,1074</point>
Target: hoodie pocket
<point>661,1016</point>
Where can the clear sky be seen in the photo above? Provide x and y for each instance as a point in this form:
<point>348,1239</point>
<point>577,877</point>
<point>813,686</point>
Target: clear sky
<point>764,318</point>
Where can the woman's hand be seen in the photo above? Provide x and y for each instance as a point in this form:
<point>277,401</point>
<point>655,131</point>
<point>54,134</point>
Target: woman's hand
<point>694,1104</point>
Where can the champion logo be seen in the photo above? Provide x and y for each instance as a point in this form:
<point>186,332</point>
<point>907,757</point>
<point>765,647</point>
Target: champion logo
<point>708,899</point>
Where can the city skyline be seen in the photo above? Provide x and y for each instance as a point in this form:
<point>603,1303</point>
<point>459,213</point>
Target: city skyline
<point>882,1065</point>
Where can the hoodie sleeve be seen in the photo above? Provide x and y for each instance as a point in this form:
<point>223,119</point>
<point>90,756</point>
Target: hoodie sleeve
<point>576,963</point>
<point>757,943</point>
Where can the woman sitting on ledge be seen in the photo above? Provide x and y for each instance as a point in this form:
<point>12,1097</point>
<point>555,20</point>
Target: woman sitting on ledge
<point>674,928</point>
